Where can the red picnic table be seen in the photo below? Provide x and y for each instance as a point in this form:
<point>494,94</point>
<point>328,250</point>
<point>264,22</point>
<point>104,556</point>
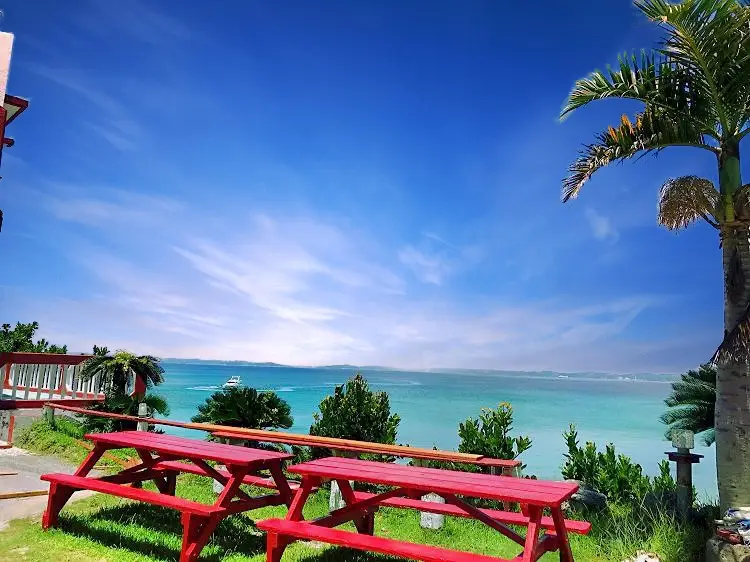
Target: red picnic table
<point>408,484</point>
<point>162,459</point>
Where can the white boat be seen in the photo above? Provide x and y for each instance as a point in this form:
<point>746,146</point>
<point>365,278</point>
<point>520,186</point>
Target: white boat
<point>233,382</point>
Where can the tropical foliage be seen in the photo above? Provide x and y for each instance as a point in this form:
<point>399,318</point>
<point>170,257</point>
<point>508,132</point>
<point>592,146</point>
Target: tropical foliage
<point>356,412</point>
<point>692,403</point>
<point>115,370</point>
<point>489,435</point>
<point>694,90</point>
<point>120,403</point>
<point>615,476</point>
<point>245,407</point>
<point>21,339</point>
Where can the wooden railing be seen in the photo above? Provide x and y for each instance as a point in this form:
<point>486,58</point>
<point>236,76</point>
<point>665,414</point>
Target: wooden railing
<point>30,379</point>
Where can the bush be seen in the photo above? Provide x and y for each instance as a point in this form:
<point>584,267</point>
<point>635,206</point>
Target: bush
<point>489,435</point>
<point>118,402</point>
<point>356,412</point>
<point>245,407</point>
<point>615,476</point>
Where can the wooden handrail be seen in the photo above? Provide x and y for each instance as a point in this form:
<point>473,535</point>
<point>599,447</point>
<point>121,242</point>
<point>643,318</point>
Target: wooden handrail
<point>295,438</point>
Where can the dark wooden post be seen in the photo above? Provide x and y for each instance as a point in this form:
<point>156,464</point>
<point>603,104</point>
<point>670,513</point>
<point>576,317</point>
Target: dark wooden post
<point>683,441</point>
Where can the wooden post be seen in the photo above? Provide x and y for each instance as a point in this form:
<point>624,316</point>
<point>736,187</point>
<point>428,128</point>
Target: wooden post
<point>142,413</point>
<point>49,415</point>
<point>683,441</point>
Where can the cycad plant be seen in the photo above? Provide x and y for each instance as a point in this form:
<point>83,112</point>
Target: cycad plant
<point>245,407</point>
<point>120,403</point>
<point>692,403</point>
<point>116,369</point>
<point>695,92</point>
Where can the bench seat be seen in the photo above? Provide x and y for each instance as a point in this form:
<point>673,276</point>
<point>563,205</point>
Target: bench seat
<point>307,531</point>
<point>139,494</point>
<point>250,479</point>
<point>507,517</point>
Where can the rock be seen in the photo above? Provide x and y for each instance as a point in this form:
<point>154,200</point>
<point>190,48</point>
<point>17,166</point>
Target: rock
<point>588,498</point>
<point>431,520</point>
<point>641,556</point>
<point>720,551</point>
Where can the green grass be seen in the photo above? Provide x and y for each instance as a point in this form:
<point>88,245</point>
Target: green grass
<point>103,528</point>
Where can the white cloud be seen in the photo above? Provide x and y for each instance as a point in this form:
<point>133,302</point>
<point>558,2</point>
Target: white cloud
<point>429,268</point>
<point>601,226</point>
<point>298,290</point>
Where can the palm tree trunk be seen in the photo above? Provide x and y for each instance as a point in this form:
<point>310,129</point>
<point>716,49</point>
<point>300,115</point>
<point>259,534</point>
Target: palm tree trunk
<point>732,416</point>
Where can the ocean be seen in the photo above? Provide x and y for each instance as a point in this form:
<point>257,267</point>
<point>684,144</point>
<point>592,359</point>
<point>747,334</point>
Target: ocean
<point>623,410</point>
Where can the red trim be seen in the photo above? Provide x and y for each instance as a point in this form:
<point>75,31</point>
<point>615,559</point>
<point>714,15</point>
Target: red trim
<point>37,404</point>
<point>24,358</point>
<point>20,103</point>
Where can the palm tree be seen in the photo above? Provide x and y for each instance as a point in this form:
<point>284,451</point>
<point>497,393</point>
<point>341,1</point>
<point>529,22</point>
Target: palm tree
<point>692,403</point>
<point>695,91</point>
<point>115,370</point>
<point>245,407</point>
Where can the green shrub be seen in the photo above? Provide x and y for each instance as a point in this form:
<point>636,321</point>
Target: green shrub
<point>615,476</point>
<point>245,407</point>
<point>356,412</point>
<point>117,402</point>
<point>489,435</point>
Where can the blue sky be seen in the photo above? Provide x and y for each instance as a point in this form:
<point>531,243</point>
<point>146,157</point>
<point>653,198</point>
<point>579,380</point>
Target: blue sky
<point>360,182</point>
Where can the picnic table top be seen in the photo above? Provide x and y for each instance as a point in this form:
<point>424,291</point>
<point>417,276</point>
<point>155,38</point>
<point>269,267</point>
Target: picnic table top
<point>503,488</point>
<point>187,448</point>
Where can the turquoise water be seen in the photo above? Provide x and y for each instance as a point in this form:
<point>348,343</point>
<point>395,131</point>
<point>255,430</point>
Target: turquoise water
<point>431,405</point>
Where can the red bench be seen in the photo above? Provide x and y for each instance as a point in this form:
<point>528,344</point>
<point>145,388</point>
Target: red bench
<point>507,517</point>
<point>279,528</point>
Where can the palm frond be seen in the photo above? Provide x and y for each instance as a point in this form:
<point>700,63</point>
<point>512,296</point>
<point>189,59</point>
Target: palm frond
<point>684,200</point>
<point>692,403</point>
<point>735,347</point>
<point>655,82</point>
<point>708,39</point>
<point>651,131</point>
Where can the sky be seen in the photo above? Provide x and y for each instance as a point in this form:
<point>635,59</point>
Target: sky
<point>371,183</point>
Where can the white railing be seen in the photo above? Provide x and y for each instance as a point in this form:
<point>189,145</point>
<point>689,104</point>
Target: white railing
<point>46,376</point>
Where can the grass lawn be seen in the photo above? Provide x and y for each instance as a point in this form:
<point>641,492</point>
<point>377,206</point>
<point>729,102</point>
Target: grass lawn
<point>103,528</point>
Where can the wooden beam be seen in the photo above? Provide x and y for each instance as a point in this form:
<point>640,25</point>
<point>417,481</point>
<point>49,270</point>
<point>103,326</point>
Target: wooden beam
<point>29,494</point>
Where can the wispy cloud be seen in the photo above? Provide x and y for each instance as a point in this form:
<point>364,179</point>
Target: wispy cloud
<point>137,20</point>
<point>601,226</point>
<point>429,268</point>
<point>116,123</point>
<point>109,208</point>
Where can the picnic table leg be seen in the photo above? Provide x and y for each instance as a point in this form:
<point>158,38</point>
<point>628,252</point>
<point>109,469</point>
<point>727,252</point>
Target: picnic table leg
<point>364,524</point>
<point>566,555</point>
<point>295,510</point>
<point>275,546</point>
<point>56,499</point>
<point>532,533</point>
<point>161,483</point>
<point>59,495</point>
<point>282,485</point>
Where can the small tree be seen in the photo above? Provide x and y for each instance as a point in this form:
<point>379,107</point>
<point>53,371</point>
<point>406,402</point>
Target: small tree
<point>245,407</point>
<point>692,403</point>
<point>21,339</point>
<point>489,435</point>
<point>356,412</point>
